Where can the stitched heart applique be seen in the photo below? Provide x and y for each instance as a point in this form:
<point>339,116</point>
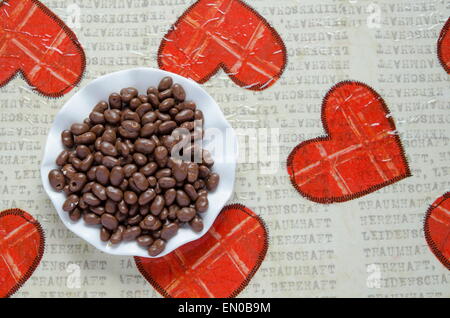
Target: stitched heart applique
<point>437,229</point>
<point>21,247</point>
<point>36,43</point>
<point>444,47</point>
<point>361,153</point>
<point>218,265</point>
<point>228,34</point>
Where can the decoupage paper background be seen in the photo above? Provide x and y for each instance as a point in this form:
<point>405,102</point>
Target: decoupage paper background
<point>373,246</point>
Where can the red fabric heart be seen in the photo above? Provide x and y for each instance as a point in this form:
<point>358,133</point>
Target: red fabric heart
<point>219,265</point>
<point>35,42</point>
<point>360,154</point>
<point>228,34</point>
<point>444,47</point>
<point>437,229</point>
<point>21,248</point>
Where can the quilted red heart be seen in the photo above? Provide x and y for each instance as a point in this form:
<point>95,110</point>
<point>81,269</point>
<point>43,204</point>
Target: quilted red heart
<point>444,47</point>
<point>360,154</point>
<point>219,265</point>
<point>437,229</point>
<point>228,34</point>
<point>21,248</point>
<point>35,42</point>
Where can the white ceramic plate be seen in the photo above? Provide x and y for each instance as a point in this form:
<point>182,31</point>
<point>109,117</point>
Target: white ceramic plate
<point>79,107</point>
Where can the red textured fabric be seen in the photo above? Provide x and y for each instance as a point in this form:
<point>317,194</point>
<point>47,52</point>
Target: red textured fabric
<point>437,229</point>
<point>218,265</point>
<point>444,47</point>
<point>360,154</point>
<point>21,248</point>
<point>228,34</point>
<point>38,44</point>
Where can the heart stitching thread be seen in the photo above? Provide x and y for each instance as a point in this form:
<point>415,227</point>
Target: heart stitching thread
<point>41,248</point>
<point>74,40</point>
<point>328,137</point>
<point>428,232</point>
<point>244,283</point>
<point>250,86</point>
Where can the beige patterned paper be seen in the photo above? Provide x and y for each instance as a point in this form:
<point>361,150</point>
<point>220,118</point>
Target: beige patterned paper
<point>373,246</point>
